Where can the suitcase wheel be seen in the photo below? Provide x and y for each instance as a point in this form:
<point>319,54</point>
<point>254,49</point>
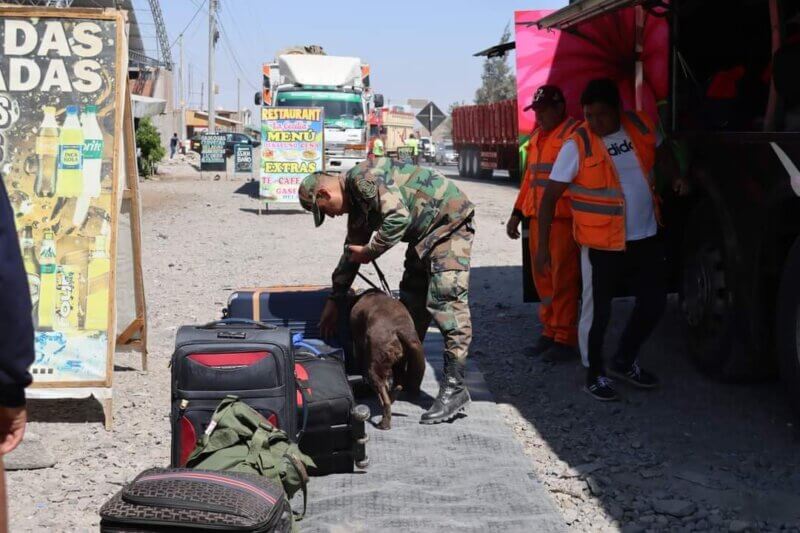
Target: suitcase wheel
<point>363,441</point>
<point>361,412</point>
<point>363,464</point>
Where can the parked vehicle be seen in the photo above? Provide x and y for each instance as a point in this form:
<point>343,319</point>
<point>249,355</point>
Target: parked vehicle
<point>446,154</point>
<point>485,137</point>
<point>734,246</point>
<point>337,84</point>
<point>397,124</point>
<point>232,140</point>
<point>427,149</point>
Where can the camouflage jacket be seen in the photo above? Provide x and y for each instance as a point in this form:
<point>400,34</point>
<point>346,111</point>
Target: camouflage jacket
<point>398,202</point>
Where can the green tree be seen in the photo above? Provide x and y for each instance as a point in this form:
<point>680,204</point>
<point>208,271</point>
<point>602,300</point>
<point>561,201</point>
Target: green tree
<point>498,80</point>
<point>148,140</point>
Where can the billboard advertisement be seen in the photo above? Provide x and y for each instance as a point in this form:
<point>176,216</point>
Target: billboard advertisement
<point>62,78</point>
<point>291,148</point>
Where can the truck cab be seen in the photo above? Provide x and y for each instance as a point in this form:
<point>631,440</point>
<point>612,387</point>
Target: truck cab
<point>337,85</point>
<point>732,113</point>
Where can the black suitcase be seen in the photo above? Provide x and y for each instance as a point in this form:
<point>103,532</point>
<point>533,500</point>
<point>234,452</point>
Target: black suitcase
<point>180,499</point>
<point>296,307</point>
<point>247,359</point>
<point>334,434</point>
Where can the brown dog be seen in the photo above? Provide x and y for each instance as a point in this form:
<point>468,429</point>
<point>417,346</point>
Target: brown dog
<point>386,346</point>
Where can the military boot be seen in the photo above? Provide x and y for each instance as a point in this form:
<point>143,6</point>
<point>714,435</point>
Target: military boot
<point>453,396</point>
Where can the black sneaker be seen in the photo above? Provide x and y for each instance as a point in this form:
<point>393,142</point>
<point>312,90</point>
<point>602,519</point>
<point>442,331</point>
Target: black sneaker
<point>600,389</point>
<point>635,375</point>
<point>560,352</point>
<point>542,345</point>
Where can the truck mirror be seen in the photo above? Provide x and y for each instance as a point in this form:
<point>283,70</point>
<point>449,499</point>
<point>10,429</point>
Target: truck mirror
<point>257,98</point>
<point>378,100</point>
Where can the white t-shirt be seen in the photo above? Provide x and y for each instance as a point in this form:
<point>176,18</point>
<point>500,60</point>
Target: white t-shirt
<point>640,218</point>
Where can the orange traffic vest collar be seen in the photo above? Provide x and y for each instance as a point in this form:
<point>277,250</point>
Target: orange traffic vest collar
<point>598,204</point>
<point>540,164</point>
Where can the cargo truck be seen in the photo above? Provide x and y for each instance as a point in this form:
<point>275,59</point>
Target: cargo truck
<point>308,77</point>
<point>734,245</point>
<point>486,139</point>
<point>398,125</point>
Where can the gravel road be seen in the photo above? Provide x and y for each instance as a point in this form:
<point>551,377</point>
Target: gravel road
<point>695,455</point>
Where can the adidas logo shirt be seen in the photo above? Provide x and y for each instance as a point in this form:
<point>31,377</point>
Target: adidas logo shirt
<point>640,218</point>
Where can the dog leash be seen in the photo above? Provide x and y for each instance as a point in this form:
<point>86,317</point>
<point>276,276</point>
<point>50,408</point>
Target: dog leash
<point>384,284</point>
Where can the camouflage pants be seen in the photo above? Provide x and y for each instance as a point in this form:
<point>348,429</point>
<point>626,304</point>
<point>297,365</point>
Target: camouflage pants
<point>436,288</point>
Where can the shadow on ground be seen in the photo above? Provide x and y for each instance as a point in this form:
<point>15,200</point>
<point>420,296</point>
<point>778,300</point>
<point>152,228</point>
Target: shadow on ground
<point>722,452</point>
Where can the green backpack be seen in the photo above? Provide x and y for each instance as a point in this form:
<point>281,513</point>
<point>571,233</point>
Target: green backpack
<point>239,439</point>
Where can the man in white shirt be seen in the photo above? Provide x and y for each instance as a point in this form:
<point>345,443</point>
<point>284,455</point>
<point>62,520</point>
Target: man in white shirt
<point>608,166</point>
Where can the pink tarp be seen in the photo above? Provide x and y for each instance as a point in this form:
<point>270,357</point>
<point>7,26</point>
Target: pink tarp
<point>605,48</point>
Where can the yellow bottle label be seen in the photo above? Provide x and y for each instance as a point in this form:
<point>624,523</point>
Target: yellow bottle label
<point>97,299</point>
<point>47,296</point>
<point>47,145</point>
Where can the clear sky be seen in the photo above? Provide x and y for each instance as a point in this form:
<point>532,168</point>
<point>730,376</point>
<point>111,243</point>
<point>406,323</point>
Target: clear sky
<point>416,48</point>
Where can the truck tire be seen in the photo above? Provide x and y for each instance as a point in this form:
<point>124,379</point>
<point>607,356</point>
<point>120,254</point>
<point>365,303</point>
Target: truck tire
<point>787,325</point>
<point>514,176</point>
<point>720,299</point>
<point>471,170</point>
<point>485,173</point>
<point>462,163</point>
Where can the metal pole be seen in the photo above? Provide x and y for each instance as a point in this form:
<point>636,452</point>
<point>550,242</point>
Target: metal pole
<point>212,30</point>
<point>181,97</point>
<point>238,102</point>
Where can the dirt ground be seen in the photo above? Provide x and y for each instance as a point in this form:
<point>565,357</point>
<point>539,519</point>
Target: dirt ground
<point>694,455</point>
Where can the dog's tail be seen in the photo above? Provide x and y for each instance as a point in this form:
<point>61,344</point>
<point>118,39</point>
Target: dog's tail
<point>415,360</point>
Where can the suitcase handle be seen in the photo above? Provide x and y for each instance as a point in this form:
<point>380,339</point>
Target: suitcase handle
<point>234,321</point>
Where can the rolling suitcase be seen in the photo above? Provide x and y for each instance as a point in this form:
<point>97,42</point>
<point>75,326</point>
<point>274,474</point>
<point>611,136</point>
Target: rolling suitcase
<point>334,434</point>
<point>296,307</point>
<point>247,359</point>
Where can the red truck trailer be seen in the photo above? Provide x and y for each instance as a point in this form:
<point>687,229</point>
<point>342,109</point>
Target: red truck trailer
<point>486,138</point>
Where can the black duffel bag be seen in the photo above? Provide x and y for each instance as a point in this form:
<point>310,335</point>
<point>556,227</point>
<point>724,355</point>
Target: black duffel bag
<point>179,499</point>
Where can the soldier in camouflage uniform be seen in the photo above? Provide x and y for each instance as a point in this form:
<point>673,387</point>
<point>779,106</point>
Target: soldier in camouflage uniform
<point>388,202</point>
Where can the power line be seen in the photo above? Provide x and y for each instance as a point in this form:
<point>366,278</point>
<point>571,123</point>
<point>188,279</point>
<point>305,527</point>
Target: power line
<point>199,9</point>
<point>229,48</point>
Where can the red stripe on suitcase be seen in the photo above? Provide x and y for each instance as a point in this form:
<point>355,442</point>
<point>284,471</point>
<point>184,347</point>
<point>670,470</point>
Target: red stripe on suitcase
<point>228,359</point>
<point>188,440</point>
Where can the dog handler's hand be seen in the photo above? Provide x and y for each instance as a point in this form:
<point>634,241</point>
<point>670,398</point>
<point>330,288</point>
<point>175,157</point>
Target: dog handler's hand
<point>328,320</point>
<point>358,254</point>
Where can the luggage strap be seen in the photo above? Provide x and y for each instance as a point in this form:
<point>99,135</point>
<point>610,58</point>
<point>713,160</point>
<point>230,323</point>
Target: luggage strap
<point>384,284</point>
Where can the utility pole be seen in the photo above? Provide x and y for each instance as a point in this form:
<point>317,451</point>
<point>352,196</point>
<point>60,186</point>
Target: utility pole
<point>189,92</point>
<point>212,40</point>
<point>238,101</point>
<point>181,96</point>
<point>203,96</point>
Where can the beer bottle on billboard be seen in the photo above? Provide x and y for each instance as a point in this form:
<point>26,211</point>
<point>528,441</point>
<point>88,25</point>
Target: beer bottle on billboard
<point>97,299</point>
<point>70,156</point>
<point>47,154</point>
<point>31,266</point>
<point>47,281</point>
<point>92,152</point>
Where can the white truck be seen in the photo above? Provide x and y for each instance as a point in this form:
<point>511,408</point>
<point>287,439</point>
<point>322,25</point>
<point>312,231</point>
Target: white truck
<point>338,84</point>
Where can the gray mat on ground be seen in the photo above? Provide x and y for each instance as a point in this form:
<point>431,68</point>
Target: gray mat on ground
<point>470,475</point>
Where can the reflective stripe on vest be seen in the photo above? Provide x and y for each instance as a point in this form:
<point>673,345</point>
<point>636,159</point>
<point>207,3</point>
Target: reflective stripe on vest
<point>587,142</point>
<point>600,193</point>
<point>637,121</point>
<point>541,167</point>
<point>602,209</point>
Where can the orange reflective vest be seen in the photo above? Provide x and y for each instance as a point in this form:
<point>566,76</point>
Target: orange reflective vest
<point>598,205</point>
<point>540,163</point>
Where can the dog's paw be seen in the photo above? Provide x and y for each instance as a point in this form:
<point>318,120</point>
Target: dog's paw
<point>384,424</point>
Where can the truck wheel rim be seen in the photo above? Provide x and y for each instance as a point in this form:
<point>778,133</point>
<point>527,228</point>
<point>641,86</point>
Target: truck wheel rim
<point>704,289</point>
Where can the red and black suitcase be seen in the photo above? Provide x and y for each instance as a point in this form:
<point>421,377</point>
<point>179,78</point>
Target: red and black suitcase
<point>247,359</point>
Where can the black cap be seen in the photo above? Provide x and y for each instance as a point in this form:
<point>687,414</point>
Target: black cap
<point>544,96</point>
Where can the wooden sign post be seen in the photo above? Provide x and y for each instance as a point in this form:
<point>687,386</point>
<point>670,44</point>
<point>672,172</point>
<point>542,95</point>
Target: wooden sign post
<point>71,165</point>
